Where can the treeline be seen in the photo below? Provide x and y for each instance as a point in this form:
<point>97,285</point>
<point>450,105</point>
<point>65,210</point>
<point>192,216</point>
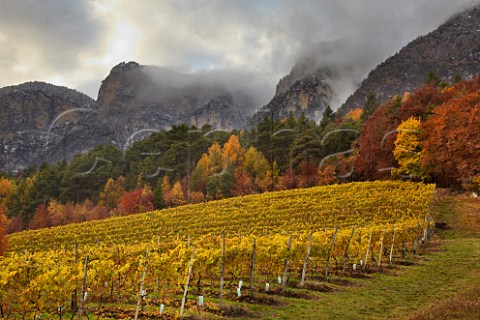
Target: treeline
<point>177,166</point>
<point>428,135</point>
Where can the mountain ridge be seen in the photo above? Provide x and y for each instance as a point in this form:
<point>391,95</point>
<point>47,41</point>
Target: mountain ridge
<point>450,50</point>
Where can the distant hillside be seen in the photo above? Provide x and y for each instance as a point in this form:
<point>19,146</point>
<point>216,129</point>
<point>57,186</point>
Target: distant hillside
<point>452,49</point>
<point>35,127</point>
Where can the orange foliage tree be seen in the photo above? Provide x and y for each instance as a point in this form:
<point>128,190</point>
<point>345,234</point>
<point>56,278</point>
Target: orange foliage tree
<point>327,175</point>
<point>41,218</point>
<point>8,190</point>
<point>376,142</point>
<point>243,183</point>
<point>451,136</point>
<point>15,224</point>
<point>233,153</point>
<point>288,180</point>
<point>308,176</point>
<point>138,200</point>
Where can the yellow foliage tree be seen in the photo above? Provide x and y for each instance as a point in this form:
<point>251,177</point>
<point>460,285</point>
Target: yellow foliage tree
<point>8,190</point>
<point>215,161</point>
<point>233,153</point>
<point>112,192</point>
<point>408,150</point>
<point>56,213</point>
<point>255,163</point>
<point>175,196</point>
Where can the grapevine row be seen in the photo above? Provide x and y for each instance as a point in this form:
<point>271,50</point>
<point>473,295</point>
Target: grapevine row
<point>39,282</point>
<point>348,205</point>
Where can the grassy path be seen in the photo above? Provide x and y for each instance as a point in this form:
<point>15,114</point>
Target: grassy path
<point>442,284</point>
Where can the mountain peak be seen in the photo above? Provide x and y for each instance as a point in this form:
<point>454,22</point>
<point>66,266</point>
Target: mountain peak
<point>451,50</point>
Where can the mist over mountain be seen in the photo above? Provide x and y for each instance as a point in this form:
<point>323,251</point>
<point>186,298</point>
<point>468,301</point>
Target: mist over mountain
<point>135,100</point>
<point>333,72</point>
<point>451,50</point>
<point>41,122</point>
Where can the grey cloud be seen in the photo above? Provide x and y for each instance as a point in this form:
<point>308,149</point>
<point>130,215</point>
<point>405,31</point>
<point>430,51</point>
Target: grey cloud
<point>350,38</point>
<point>245,45</point>
<point>171,83</point>
<point>54,31</point>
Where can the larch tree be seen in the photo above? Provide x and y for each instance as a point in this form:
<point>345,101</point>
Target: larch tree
<point>233,153</point>
<point>112,192</point>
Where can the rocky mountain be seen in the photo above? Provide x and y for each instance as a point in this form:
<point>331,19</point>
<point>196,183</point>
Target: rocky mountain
<point>300,92</point>
<point>41,122</point>
<point>450,50</point>
<point>135,98</point>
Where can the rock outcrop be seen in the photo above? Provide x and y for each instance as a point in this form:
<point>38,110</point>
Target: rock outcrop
<point>298,94</point>
<point>41,122</point>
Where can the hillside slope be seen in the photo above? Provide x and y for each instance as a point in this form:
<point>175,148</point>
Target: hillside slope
<point>451,50</point>
<point>439,279</point>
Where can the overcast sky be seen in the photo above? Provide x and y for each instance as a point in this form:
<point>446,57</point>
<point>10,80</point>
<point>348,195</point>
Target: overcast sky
<point>76,43</point>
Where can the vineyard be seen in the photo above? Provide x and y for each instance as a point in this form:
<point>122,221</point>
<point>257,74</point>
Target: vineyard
<point>196,259</point>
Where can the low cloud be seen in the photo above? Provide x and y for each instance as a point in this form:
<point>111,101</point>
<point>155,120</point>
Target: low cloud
<point>247,45</point>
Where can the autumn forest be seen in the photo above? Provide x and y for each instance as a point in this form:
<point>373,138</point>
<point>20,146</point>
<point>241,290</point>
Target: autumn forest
<point>426,135</point>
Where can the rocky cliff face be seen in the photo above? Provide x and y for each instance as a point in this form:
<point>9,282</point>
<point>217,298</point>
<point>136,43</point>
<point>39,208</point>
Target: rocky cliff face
<point>452,49</point>
<point>42,122</point>
<point>297,94</point>
<point>135,97</point>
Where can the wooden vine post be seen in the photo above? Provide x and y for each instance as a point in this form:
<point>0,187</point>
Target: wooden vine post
<point>252,270</point>
<point>393,243</point>
<point>142,287</point>
<point>368,250</point>
<point>345,254</point>
<point>84,290</point>
<point>73,306</point>
<point>380,254</point>
<point>222,268</point>
<point>415,244</point>
<point>287,263</point>
<point>332,243</point>
<point>305,264</point>
<point>187,282</point>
